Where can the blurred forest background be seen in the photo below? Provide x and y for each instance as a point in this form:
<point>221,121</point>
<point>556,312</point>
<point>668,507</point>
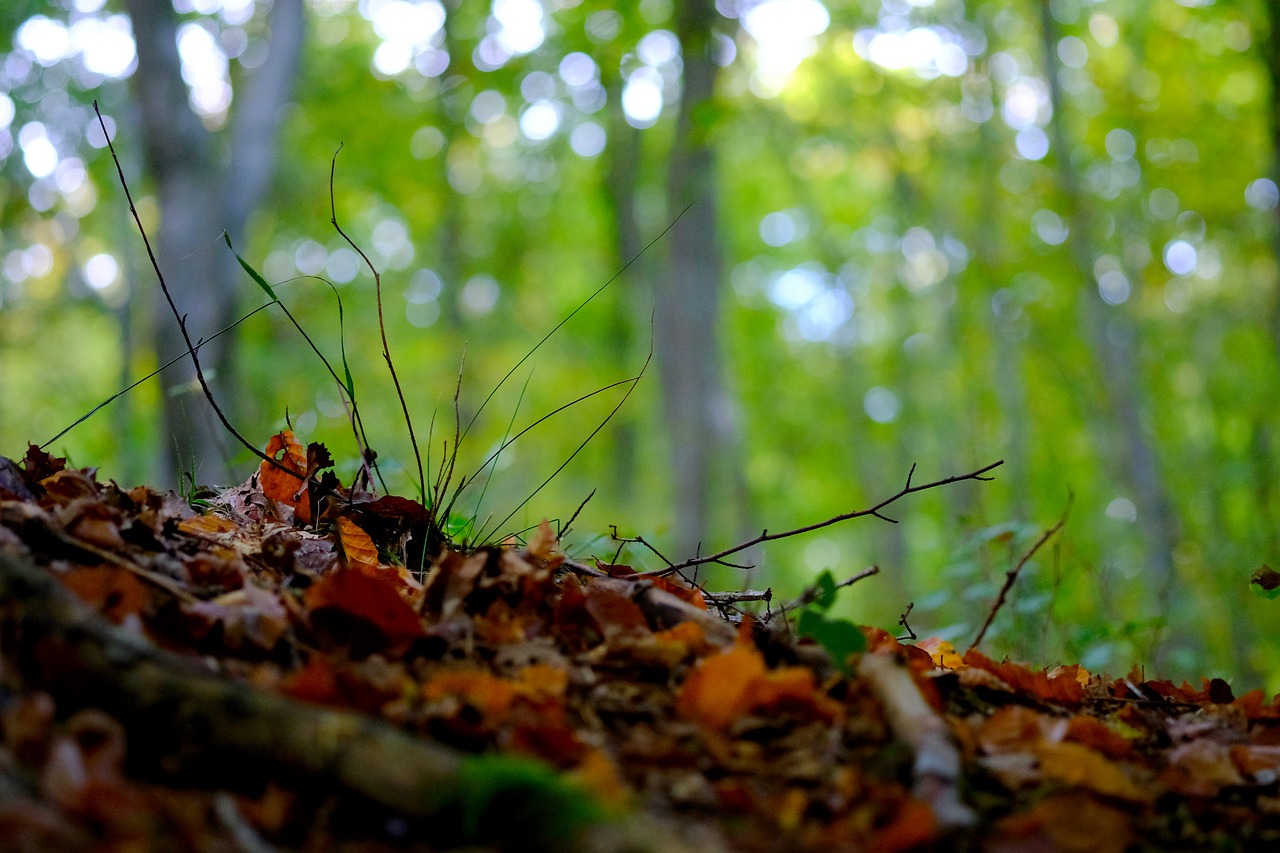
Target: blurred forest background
<point>922,231</point>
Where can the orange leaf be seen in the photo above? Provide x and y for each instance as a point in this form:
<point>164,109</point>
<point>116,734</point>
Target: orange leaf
<point>289,489</point>
<point>487,693</point>
<point>715,692</point>
<point>115,592</point>
<point>357,547</point>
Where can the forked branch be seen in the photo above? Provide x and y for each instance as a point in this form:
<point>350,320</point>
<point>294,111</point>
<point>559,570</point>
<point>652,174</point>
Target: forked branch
<point>766,536</point>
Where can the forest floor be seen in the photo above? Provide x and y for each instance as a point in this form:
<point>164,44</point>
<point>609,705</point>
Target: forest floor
<point>261,674</point>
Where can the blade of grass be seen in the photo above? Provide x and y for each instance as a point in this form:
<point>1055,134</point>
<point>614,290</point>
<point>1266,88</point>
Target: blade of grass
<point>572,313</point>
<point>357,425</point>
<point>506,442</point>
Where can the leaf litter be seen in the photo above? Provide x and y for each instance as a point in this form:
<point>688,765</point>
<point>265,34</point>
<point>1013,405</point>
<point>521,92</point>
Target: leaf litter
<point>269,674</point>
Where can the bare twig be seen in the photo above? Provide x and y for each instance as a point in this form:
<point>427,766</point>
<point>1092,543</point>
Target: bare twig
<point>192,348</point>
<point>811,594</point>
<point>902,620</point>
<point>382,326</point>
<point>725,599</point>
<point>766,536</point>
<point>1012,575</point>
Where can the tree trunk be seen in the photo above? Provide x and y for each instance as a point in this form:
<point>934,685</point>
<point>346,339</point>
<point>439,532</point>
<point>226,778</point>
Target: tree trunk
<point>1114,337</point>
<point>203,190</point>
<point>700,418</point>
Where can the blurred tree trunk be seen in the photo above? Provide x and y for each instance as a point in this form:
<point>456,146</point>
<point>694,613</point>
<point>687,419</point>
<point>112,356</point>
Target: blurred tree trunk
<point>1114,337</point>
<point>701,422</point>
<point>620,193</point>
<point>205,183</point>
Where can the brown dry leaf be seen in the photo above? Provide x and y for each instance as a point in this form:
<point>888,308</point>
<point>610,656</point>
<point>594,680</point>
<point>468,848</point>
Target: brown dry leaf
<point>287,488</point>
<point>609,602</point>
<point>250,617</point>
<point>1201,768</point>
<point>1061,689</point>
<point>727,685</point>
<point>357,547</point>
<point>204,525</point>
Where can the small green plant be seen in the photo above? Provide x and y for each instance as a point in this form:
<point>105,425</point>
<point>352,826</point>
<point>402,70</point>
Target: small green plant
<point>840,637</point>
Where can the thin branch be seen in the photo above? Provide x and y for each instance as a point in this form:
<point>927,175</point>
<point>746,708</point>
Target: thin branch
<point>766,536</point>
<point>724,599</point>
<point>901,620</point>
<point>1012,575</point>
<point>382,326</point>
<point>182,321</point>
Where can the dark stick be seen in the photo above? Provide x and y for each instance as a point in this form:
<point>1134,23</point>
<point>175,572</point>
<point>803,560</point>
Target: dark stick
<point>1012,574</point>
<point>766,536</point>
<point>902,620</point>
<point>182,321</point>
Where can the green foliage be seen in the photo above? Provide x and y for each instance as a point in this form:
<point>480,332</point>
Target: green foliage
<point>840,637</point>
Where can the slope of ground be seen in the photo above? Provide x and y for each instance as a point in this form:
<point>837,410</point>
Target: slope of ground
<point>266,674</point>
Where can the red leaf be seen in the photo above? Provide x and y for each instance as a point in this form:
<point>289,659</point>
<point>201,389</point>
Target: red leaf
<point>368,599</point>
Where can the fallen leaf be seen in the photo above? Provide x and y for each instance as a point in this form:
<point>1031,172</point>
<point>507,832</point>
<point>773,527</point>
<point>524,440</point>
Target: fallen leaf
<point>288,486</point>
<point>357,547</point>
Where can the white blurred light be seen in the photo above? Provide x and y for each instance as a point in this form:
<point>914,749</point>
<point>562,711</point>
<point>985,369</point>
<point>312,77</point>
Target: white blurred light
<point>1114,287</point>
<point>1032,143</point>
<point>1180,257</point>
<point>881,405</point>
<point>642,97</point>
<point>480,294</point>
<point>588,139</point>
<point>106,45</point>
<point>1122,509</point>
<point>795,288</point>
<point>521,21</point>
<point>1049,227</point>
<point>38,154</point>
<point>204,68</point>
<point>578,69</point>
<point>786,31</point>
<point>1025,102</point>
<point>45,39</point>
<point>1261,194</point>
<point>658,48</point>
<point>101,271</point>
<point>540,120</point>
<point>1121,145</point>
